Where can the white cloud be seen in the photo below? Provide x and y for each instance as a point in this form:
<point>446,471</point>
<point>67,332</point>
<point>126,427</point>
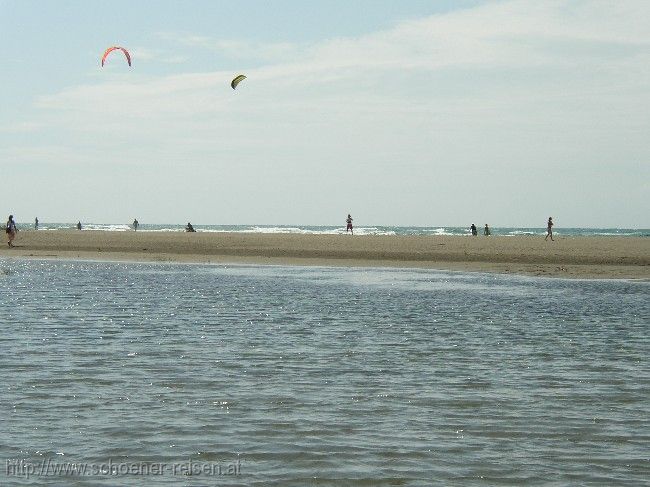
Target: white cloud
<point>238,48</point>
<point>20,127</point>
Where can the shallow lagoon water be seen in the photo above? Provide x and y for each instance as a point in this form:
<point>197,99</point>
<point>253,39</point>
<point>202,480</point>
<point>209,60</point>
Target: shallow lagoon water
<point>320,376</point>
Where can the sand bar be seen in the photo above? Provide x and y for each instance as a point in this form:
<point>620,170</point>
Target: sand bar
<point>575,257</point>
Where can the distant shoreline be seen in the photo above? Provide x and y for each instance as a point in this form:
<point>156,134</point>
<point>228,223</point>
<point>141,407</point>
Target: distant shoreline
<point>572,257</point>
<point>435,230</point>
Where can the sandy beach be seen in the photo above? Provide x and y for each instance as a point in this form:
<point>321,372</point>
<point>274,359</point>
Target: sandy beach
<point>575,257</point>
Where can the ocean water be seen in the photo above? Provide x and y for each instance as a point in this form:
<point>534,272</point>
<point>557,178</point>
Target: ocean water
<point>334,230</point>
<point>141,374</point>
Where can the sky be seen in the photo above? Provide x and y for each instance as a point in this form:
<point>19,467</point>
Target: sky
<point>413,113</point>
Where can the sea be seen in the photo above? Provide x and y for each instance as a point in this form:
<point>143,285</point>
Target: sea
<point>139,374</point>
<point>334,230</point>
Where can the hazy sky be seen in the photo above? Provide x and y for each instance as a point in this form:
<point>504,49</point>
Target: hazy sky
<point>399,112</point>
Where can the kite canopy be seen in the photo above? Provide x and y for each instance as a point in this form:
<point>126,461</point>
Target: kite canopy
<point>237,80</point>
<point>111,49</point>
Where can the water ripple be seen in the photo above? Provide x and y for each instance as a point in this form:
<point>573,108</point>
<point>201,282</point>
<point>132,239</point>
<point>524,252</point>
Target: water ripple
<point>319,376</point>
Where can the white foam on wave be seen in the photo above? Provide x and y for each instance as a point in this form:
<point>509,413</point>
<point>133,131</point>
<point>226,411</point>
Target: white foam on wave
<point>441,231</point>
<point>370,231</point>
<point>107,227</point>
<point>296,230</point>
<point>286,230</point>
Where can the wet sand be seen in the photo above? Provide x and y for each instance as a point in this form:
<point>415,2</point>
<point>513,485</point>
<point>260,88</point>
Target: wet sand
<point>574,257</point>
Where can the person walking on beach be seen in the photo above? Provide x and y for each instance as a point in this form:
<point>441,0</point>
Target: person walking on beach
<point>36,223</point>
<point>473,229</point>
<point>486,230</point>
<point>349,225</point>
<point>79,225</point>
<point>11,231</point>
<point>549,228</point>
<point>135,225</point>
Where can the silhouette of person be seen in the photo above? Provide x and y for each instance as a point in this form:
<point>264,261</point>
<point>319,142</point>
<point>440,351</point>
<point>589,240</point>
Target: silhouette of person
<point>348,228</point>
<point>135,225</point>
<point>11,230</point>
<point>473,229</point>
<point>549,228</point>
<point>189,228</point>
<point>36,223</point>
<point>79,225</point>
<point>486,231</point>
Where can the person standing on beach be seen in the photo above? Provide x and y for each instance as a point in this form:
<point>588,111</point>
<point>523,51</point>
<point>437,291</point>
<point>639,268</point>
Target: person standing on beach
<point>473,229</point>
<point>36,223</point>
<point>135,225</point>
<point>486,231</point>
<point>11,231</point>
<point>79,225</point>
<point>349,225</point>
<point>549,228</point>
